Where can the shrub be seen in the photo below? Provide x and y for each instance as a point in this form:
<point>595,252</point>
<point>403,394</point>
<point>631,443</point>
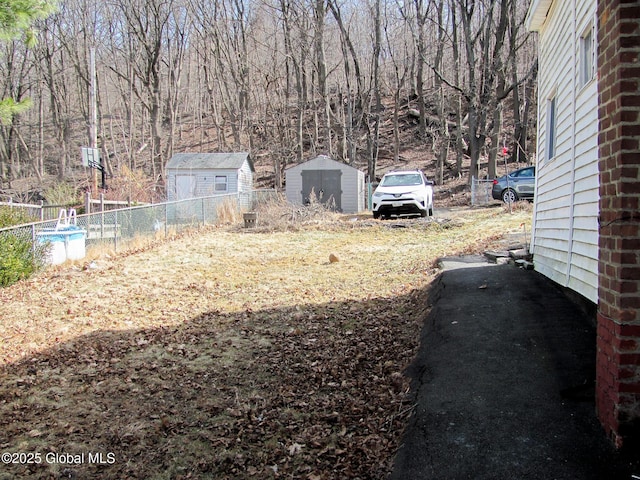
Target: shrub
<point>61,194</point>
<point>134,185</point>
<point>14,216</point>
<point>227,212</point>
<point>278,214</point>
<point>19,260</point>
<point>18,257</point>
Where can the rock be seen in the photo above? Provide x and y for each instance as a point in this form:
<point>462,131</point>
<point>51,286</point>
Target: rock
<point>333,258</point>
<point>493,256</point>
<point>524,264</point>
<point>518,254</point>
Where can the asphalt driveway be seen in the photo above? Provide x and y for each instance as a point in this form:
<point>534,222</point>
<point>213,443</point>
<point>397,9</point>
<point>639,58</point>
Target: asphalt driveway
<point>503,384</point>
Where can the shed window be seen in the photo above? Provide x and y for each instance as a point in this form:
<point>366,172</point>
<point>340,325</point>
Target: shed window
<point>220,183</point>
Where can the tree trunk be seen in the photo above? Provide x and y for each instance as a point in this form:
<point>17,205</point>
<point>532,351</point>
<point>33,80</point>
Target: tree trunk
<point>321,68</point>
<point>495,141</point>
<point>521,121</point>
<point>421,18</point>
<point>456,78</point>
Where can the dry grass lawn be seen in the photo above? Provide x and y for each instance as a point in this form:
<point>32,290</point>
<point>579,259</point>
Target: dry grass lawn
<point>226,353</point>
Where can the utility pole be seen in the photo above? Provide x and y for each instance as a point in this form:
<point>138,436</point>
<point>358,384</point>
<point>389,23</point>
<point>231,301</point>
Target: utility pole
<point>93,114</point>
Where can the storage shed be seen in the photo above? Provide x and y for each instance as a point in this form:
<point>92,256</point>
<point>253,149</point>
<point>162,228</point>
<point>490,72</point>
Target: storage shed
<point>191,175</point>
<point>329,181</point>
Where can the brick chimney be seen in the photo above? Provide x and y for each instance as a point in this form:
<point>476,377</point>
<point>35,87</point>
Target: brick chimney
<point>618,342</point>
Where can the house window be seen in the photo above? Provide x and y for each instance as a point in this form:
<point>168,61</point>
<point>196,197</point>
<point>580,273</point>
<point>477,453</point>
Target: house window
<point>551,127</point>
<point>587,56</point>
<point>220,183</point>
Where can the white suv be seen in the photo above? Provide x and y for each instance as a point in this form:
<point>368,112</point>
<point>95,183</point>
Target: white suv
<point>403,193</point>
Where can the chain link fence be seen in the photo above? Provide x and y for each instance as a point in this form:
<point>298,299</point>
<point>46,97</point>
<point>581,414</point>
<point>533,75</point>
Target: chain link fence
<point>116,228</point>
<point>481,191</point>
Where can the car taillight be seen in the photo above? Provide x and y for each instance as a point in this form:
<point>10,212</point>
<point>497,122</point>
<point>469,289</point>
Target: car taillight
<point>495,181</point>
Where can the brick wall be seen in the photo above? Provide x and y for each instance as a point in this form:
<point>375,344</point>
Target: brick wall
<point>618,357</point>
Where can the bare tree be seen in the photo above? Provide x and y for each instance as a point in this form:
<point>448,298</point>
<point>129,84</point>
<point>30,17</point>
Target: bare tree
<point>58,80</point>
<point>15,78</point>
<point>374,141</point>
<point>353,102</point>
<point>484,26</point>
<point>522,55</point>
<point>146,23</point>
<point>284,79</point>
<point>421,16</point>
<point>441,130</point>
<point>397,49</point>
<point>296,43</point>
<point>321,73</point>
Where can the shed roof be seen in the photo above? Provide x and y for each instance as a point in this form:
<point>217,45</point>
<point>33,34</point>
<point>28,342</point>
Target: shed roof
<point>320,162</point>
<point>222,161</point>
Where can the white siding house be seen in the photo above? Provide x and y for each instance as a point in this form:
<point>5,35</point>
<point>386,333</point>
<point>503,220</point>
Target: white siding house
<point>329,181</point>
<point>565,220</point>
<point>191,175</point>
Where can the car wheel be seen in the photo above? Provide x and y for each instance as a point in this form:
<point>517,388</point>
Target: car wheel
<point>509,196</point>
<point>376,215</point>
<point>431,211</point>
<point>423,213</point>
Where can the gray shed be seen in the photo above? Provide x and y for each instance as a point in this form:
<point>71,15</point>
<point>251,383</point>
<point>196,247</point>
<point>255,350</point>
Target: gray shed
<point>191,175</point>
<point>329,180</point>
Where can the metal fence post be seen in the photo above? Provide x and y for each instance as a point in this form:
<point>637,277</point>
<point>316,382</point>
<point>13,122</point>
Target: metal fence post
<point>166,220</point>
<point>473,190</point>
<point>33,240</point>
<point>102,225</point>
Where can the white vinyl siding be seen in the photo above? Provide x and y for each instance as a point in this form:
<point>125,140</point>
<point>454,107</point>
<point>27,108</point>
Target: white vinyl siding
<point>214,182</point>
<point>245,178</point>
<point>565,236</point>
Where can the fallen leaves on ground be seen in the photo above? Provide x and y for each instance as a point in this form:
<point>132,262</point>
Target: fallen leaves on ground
<point>224,354</point>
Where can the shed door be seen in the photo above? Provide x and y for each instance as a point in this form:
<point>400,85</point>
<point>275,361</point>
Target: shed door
<point>185,186</point>
<point>326,185</point>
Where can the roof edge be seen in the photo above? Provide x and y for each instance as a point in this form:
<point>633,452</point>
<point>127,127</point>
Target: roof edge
<point>537,14</point>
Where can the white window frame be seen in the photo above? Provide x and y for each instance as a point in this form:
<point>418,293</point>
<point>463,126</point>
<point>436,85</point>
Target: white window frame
<point>587,55</point>
<point>552,126</point>
<point>221,183</point>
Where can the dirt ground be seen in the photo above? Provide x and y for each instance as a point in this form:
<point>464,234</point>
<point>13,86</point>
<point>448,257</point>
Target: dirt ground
<point>227,353</point>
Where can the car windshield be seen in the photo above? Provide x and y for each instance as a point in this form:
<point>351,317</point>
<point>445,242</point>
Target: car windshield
<point>402,180</point>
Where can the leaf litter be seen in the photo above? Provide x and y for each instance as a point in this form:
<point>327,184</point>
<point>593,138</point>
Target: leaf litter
<point>227,353</point>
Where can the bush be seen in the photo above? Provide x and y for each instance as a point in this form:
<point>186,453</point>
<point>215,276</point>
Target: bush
<point>227,212</point>
<point>14,216</point>
<point>278,214</point>
<point>18,260</point>
<point>61,194</point>
<point>18,257</point>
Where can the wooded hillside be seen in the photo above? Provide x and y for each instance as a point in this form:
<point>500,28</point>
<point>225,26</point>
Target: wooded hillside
<point>363,81</point>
